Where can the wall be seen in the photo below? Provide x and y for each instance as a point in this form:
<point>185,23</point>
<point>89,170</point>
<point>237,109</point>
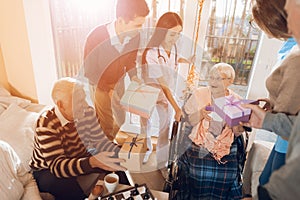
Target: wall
<point>264,61</point>
<point>190,23</point>
<point>38,22</point>
<point>27,48</point>
<point>3,76</point>
<point>15,48</point>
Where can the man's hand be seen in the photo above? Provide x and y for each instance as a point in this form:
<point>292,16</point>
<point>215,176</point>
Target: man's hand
<point>256,118</point>
<point>105,161</point>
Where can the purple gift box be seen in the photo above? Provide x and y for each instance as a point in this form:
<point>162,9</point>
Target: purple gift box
<point>229,108</point>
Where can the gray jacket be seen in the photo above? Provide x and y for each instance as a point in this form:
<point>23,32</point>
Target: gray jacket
<point>284,183</point>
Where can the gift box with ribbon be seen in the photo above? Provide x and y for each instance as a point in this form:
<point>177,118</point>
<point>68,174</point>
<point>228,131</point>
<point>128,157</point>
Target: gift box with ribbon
<point>133,151</point>
<point>229,108</point>
<point>140,99</point>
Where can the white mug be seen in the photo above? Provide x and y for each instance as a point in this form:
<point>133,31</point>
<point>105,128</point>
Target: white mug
<point>111,181</point>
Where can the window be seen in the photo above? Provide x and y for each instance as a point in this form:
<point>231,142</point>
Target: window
<point>230,38</point>
<point>72,20</point>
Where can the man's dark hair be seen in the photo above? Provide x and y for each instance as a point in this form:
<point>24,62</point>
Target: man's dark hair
<point>129,9</point>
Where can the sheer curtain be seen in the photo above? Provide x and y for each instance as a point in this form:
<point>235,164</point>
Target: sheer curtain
<point>230,38</point>
<point>72,20</point>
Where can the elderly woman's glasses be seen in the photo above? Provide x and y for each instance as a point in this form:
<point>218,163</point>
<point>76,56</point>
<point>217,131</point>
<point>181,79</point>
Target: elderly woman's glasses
<point>217,78</point>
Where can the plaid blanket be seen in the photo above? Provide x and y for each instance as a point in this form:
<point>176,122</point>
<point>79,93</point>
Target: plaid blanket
<point>202,177</point>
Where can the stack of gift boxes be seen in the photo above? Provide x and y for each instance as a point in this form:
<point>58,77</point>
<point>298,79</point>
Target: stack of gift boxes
<point>139,99</point>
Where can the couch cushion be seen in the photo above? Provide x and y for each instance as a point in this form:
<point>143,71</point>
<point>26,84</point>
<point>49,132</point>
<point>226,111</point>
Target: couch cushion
<point>17,128</point>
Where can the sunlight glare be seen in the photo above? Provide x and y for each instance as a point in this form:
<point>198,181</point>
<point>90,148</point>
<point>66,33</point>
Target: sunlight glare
<point>102,5</point>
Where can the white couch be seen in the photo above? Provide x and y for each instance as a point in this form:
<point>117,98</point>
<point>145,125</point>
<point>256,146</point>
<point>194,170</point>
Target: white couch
<point>17,123</point>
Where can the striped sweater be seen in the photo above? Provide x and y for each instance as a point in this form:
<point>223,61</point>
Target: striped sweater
<point>64,149</point>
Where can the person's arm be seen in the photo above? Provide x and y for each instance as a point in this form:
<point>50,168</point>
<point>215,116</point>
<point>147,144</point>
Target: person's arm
<point>106,161</point>
<point>133,47</point>
<point>53,153</point>
<point>90,68</point>
<point>92,41</point>
<point>195,105</point>
<point>62,166</point>
<point>168,94</point>
<point>91,46</point>
<point>196,117</point>
<point>89,129</point>
<point>131,66</point>
<point>278,123</point>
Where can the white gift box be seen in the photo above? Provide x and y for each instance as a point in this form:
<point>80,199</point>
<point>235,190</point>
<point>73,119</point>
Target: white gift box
<point>140,99</point>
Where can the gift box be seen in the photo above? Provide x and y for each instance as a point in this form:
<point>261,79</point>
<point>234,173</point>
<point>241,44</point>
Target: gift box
<point>140,99</point>
<point>133,151</point>
<point>229,108</point>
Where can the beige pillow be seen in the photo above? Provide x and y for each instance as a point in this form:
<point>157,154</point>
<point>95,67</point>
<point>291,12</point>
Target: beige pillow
<point>17,127</point>
<point>11,187</point>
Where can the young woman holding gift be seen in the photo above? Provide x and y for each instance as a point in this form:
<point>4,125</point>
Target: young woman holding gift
<point>209,167</point>
<point>160,60</point>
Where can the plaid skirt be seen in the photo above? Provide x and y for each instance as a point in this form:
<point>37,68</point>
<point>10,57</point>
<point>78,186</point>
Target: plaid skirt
<point>200,176</point>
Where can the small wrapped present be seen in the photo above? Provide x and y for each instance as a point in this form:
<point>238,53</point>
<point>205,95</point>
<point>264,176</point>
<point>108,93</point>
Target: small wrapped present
<point>140,99</point>
<point>229,108</point>
<point>132,151</point>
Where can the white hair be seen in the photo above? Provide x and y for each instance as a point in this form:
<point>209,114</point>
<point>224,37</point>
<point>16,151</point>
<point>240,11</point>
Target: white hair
<point>223,68</point>
<point>63,88</point>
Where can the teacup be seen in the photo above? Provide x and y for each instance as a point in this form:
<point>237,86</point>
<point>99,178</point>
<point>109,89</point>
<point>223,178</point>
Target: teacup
<point>111,181</point>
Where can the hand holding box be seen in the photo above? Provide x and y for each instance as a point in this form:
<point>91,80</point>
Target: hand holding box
<point>229,108</point>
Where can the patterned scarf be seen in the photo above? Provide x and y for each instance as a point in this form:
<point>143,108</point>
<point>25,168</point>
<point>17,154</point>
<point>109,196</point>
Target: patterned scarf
<point>218,146</point>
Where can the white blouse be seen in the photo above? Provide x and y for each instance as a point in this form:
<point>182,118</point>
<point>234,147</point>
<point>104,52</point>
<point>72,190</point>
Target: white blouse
<point>161,65</point>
